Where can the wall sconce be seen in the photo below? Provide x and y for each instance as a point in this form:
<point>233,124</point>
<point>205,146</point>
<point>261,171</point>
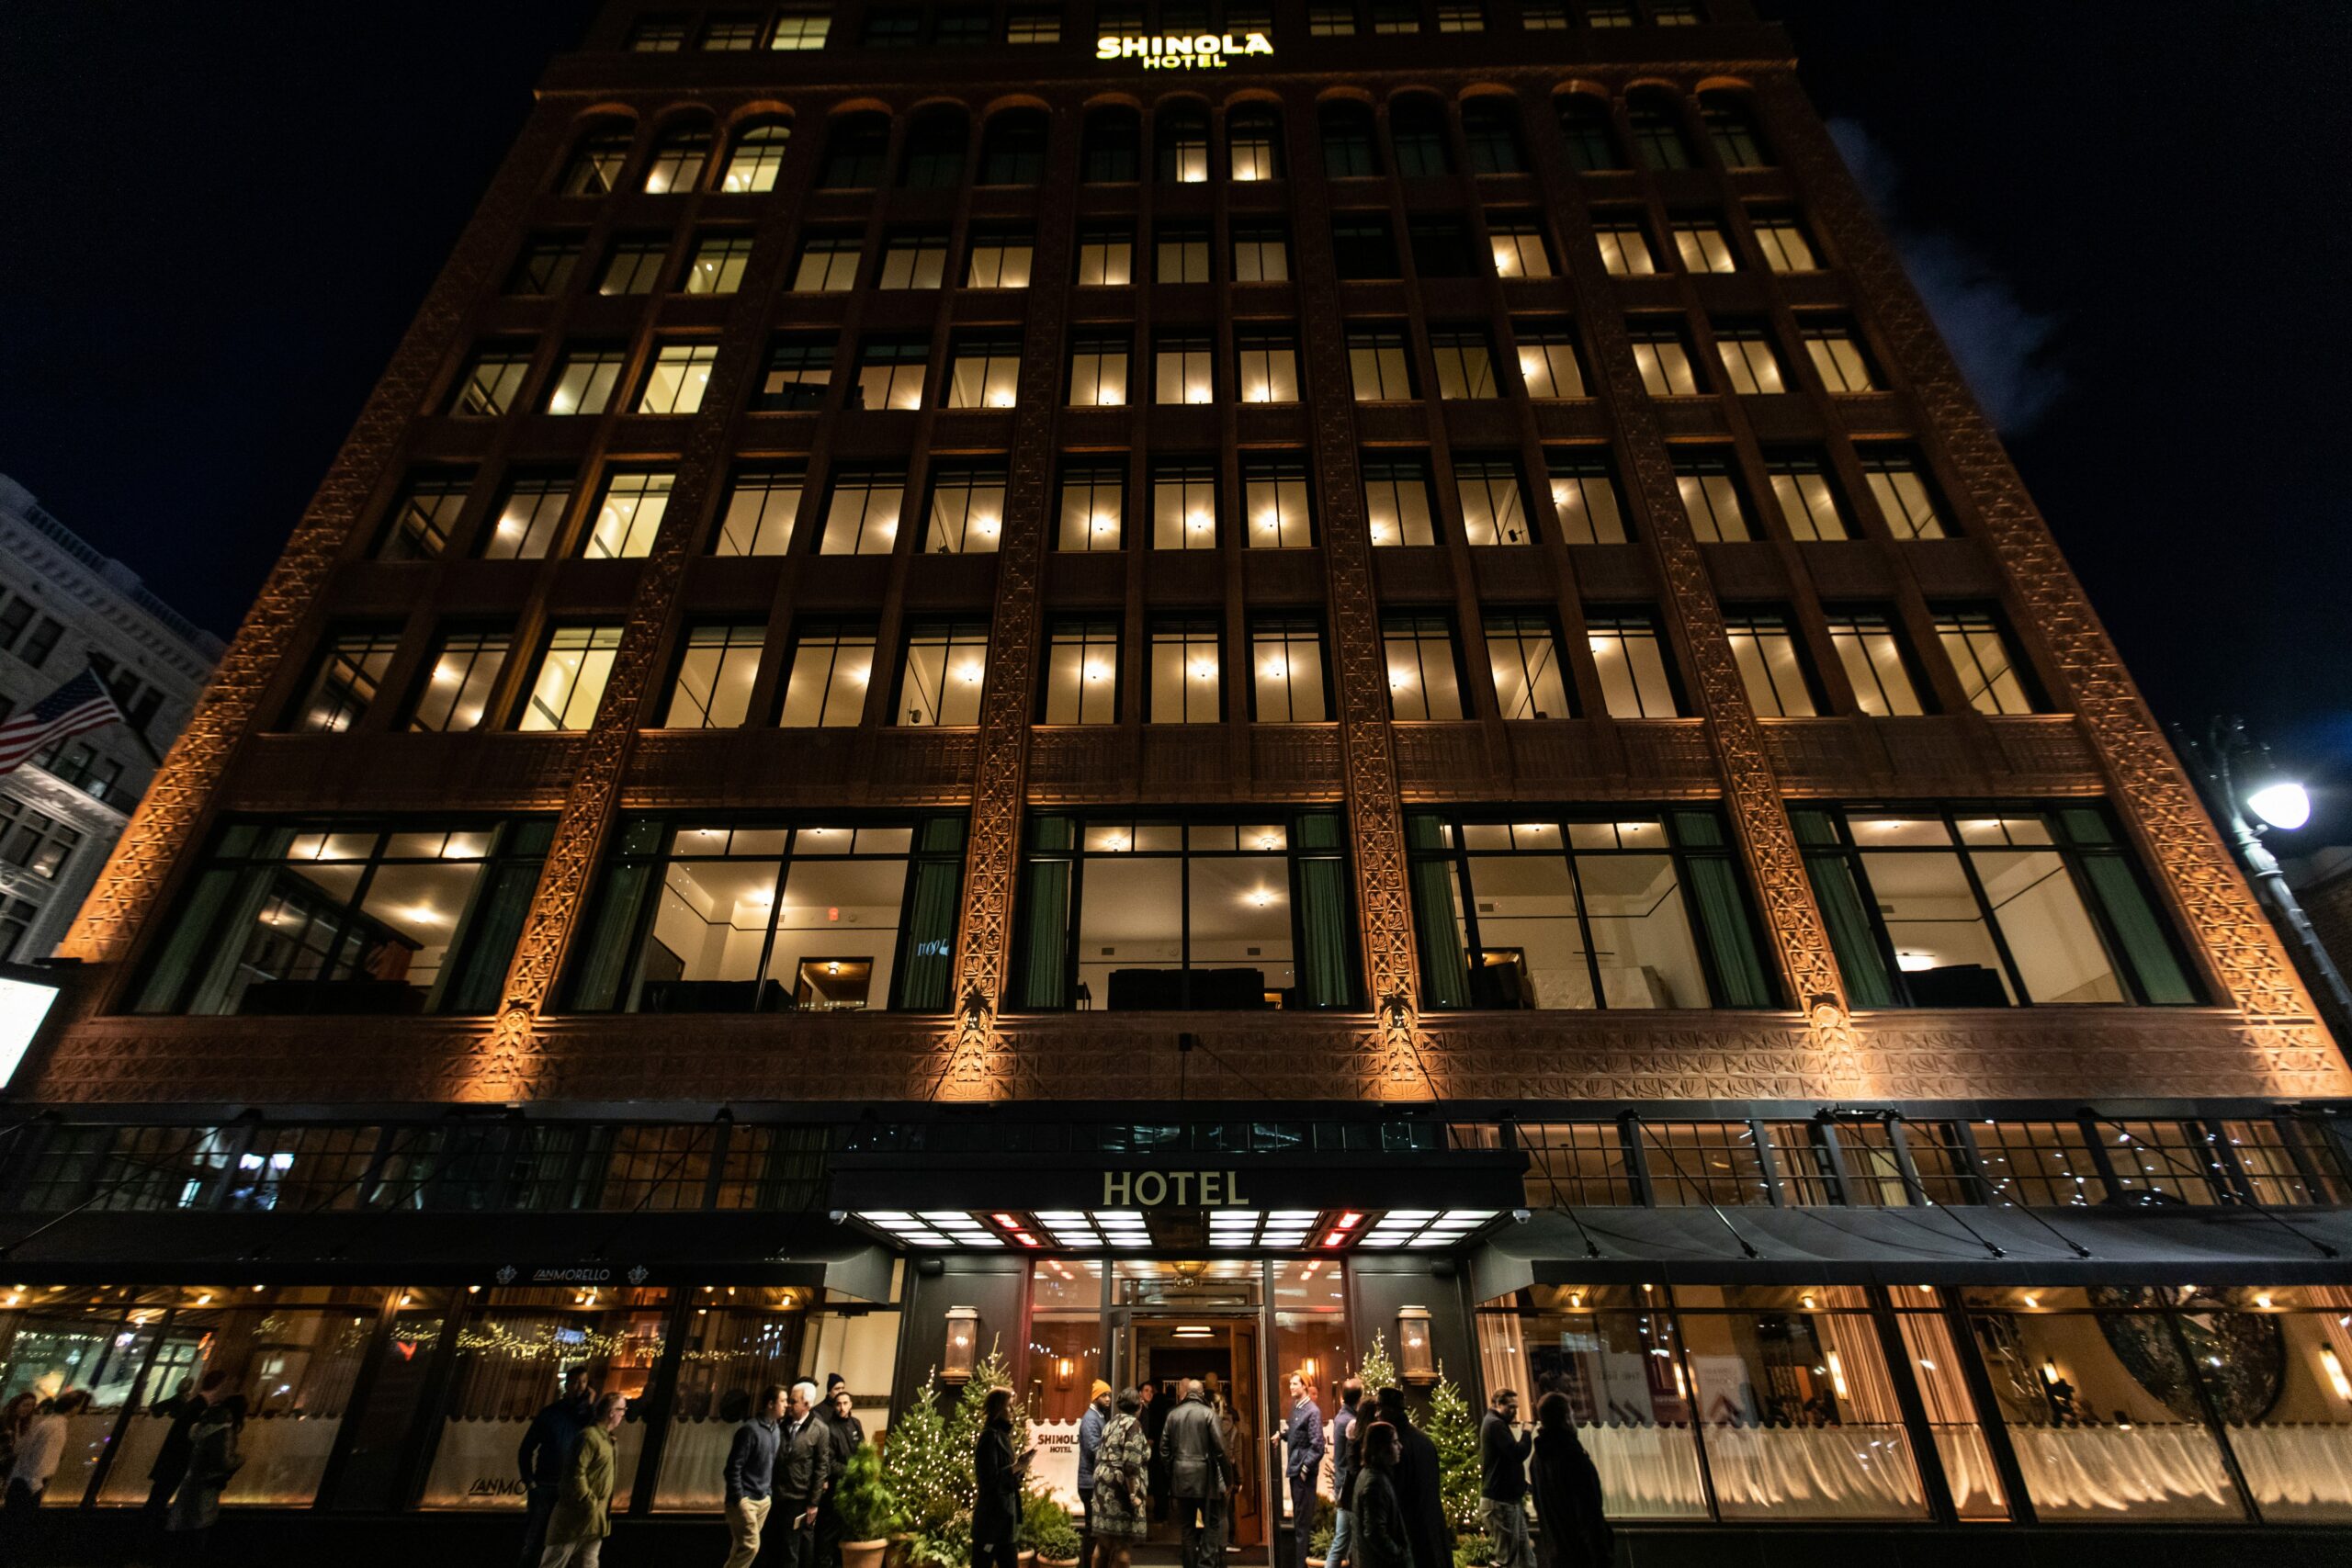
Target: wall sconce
<point>1062,1371</point>
<point>1416,1363</point>
<point>1306,1368</point>
<point>963,1342</point>
<point>2333,1365</point>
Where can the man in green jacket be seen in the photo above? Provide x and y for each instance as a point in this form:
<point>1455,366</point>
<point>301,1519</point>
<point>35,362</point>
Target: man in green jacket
<point>583,1516</point>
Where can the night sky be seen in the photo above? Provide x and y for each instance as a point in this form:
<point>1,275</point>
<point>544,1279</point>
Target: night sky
<point>2128,219</point>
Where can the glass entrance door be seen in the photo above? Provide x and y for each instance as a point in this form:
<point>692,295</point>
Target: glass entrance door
<point>1182,1320</point>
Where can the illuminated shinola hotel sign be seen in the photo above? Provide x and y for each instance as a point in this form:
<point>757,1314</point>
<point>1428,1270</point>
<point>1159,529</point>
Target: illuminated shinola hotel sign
<point>1183,51</point>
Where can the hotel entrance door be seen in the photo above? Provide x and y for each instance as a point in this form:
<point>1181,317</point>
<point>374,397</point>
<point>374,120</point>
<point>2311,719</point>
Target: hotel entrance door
<point>1186,1321</point>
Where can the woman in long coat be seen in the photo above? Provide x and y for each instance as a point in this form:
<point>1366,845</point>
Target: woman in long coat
<point>212,1461</point>
<point>1571,1530</point>
<point>1122,1485</point>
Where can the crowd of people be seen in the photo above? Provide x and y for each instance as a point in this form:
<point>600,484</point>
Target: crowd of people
<point>197,1459</point>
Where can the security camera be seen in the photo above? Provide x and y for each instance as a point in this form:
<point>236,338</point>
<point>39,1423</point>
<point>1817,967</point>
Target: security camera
<point>838,1216</point>
<point>1520,1216</point>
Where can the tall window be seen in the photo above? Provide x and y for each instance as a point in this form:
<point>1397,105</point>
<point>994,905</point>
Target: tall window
<point>1492,132</point>
<point>34,839</point>
<point>1273,503</point>
<point>1364,248</point>
<point>1703,247</point>
<point>457,684</point>
<point>1980,655</point>
<point>1710,496</point>
<point>967,510</point>
<point>939,678</point>
<point>1986,906</point>
<point>1655,120</point>
<point>680,376</point>
<point>338,916</point>
<point>1750,365</point>
<point>491,382</point>
<point>1547,361</point>
<point>1782,241</point>
<point>678,161</point>
<point>854,153</point>
<point>1261,253</point>
<point>424,516</point>
<point>917,260</point>
<point>1106,256</point>
<point>862,513</point>
<point>1378,364</point>
<point>1286,671</point>
<point>1801,489</point>
<point>595,167</point>
<point>1184,506</point>
<point>1465,365</point>
<point>1349,149</point>
<point>1900,486</point>
<point>984,371</point>
<point>658,35</point>
<point>1417,136</point>
<point>1424,682</point>
<point>1397,502</point>
<point>1268,363</point>
<point>828,265</point>
<point>1518,248</point>
<point>1013,150</point>
<point>833,664</point>
<point>546,264</point>
<point>757,158</point>
<point>1769,664</point>
<point>1590,139</point>
<point>1185,688</point>
<point>1545,910</point>
<point>1098,370</point>
<point>1584,498</point>
<point>720,914</point>
<point>1624,247</point>
<point>800,369</point>
<point>1732,127</point>
<point>528,515</point>
<point>1632,664</point>
<point>1183,369</point>
<point>890,368</point>
<point>569,682</point>
<point>718,264</point>
<point>344,687</point>
<point>1663,358</point>
<point>1871,656</point>
<point>1001,258</point>
<point>1111,150</point>
<point>1460,17</point>
<point>1838,358</point>
<point>629,515</point>
<point>1525,653</point>
<point>634,264</point>
<point>1254,143</point>
<point>1494,507</point>
<point>1180,253</point>
<point>1093,503</point>
<point>1082,672</point>
<point>713,690</point>
<point>1181,135</point>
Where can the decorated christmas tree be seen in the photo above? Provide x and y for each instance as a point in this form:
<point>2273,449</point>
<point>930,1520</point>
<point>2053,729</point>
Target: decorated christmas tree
<point>1454,1428</point>
<point>1377,1371</point>
<point>928,1465</point>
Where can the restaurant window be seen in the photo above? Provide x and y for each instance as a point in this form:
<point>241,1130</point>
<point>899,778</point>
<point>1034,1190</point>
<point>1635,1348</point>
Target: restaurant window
<point>1261,253</point>
<point>833,664</point>
<point>828,265</point>
<point>1128,912</point>
<point>1267,362</point>
<point>713,690</point>
<point>914,260</point>
<point>862,513</point>
<point>1111,150</point>
<point>491,382</point>
<point>1770,665</point>
<point>1808,502</point>
<point>757,158</point>
<point>1584,498</point>
<point>722,916</point>
<point>596,159</point>
<point>967,510</point>
<point>458,680</point>
<point>1547,910</point>
<point>1524,651</point>
<point>1093,505</point>
<point>941,672</point>
<point>1872,656</point>
<point>1183,367</point>
<point>1494,505</point>
<point>1424,678</point>
<point>1273,503</point>
<point>984,371</point>
<point>1589,137</point>
<point>1184,686</point>
<point>759,515</point>
<point>1987,907</point>
<point>574,663</point>
<point>890,370</point>
<point>1465,362</point>
<point>1397,502</point>
<point>739,1340</point>
<point>1981,658</point>
<point>1624,247</point>
<point>1001,258</point>
<point>348,918</point>
<point>344,682</point>
<point>1575,1164</point>
<point>529,513</point>
<point>1184,506</point>
<point>1286,667</point>
<point>628,517</point>
<point>678,161</point>
<point>1098,369</point>
<point>1801,1153</point>
<point>1181,133</point>
<point>1632,664</point>
<point>1710,496</point>
<point>1082,672</point>
<point>1519,247</point>
<point>1253,143</point>
<point>1899,483</point>
<point>1547,361</point>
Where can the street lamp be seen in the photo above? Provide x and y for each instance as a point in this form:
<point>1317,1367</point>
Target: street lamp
<point>2235,775</point>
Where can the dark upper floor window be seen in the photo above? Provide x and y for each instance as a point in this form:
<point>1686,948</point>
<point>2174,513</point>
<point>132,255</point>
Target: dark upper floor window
<point>935,145</point>
<point>892,28</point>
<point>1440,247</point>
<point>1417,132</point>
<point>854,153</point>
<point>595,165</point>
<point>1591,138</point>
<point>1492,131</point>
<point>1349,149</point>
<point>1111,151</point>
<point>1013,152</point>
<point>425,515</point>
<point>546,264</point>
<point>1732,127</point>
<point>963,27</point>
<point>1363,246</point>
<point>1656,121</point>
<point>658,35</point>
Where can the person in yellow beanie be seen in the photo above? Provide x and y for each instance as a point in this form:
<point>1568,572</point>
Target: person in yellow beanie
<point>1090,1443</point>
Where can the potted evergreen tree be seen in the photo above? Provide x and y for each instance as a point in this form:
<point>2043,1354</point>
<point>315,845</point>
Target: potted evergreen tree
<point>1046,1531</point>
<point>868,1512</point>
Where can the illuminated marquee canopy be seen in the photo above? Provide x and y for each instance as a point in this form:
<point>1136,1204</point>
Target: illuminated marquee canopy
<point>1183,51</point>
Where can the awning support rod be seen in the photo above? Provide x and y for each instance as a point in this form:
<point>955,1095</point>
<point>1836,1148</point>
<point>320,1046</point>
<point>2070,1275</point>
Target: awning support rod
<point>1639,1126</point>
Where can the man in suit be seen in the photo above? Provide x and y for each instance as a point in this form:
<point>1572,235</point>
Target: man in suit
<point>1193,1447</point>
<point>804,1469</point>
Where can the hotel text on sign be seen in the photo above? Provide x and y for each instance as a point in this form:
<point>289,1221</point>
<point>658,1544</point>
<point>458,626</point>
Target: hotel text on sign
<point>1183,51</point>
<point>1177,1189</point>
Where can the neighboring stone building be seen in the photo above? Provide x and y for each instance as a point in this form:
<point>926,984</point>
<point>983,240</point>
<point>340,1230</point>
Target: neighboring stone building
<point>63,605</point>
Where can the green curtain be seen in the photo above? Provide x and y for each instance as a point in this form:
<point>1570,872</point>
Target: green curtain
<point>1445,968</point>
<point>201,921</point>
<point>1044,978</point>
<point>924,978</point>
<point>1868,983</point>
<point>1325,977</point>
<point>941,836</point>
<point>1731,936</point>
<point>489,940</point>
<point>604,958</point>
<point>2138,932</point>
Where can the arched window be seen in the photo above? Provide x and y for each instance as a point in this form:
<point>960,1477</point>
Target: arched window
<point>1349,148</point>
<point>1585,127</point>
<point>757,157</point>
<point>1417,131</point>
<point>1253,140</point>
<point>679,159</point>
<point>596,159</point>
<point>1013,152</point>
<point>1656,122</point>
<point>1112,154</point>
<point>935,145</point>
<point>1183,144</point>
<point>1731,125</point>
<point>854,151</point>
<point>1492,130</point>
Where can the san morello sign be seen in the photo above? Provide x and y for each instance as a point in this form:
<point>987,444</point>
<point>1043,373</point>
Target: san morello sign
<point>1183,51</point>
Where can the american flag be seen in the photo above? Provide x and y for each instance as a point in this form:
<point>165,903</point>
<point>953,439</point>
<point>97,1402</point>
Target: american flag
<point>83,703</point>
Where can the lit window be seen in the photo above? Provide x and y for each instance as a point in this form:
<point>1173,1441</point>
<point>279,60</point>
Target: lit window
<point>1033,27</point>
<point>719,263</point>
<point>1675,13</point>
<point>1766,652</point>
<point>528,515</point>
<point>634,264</point>
<point>1604,13</point>
<point>1493,511</point>
<point>731,33</point>
<point>1624,250</point>
<point>1801,487</point>
<point>1183,142</point>
<point>1000,260</point>
<point>680,376</point>
<point>1545,15</point>
<point>1460,17</point>
<point>423,519</point>
<point>658,35</point>
<point>1423,683</point>
<point>757,159</point>
<point>350,674</point>
<point>1093,500</point>
<point>1584,498</point>
<point>1524,652</point>
<point>1900,488</point>
<point>800,29</point>
<point>1180,254</point>
<point>1664,361</point>
<point>630,516</point>
<point>966,510</point>
<point>1377,362</point>
<point>1750,365</point>
<point>862,514</point>
<point>1547,362</point>
<point>1105,257</point>
<point>1397,502</point>
<point>1784,244</point>
<point>831,667</point>
<point>1261,254</point>
<point>828,265</point>
<point>1269,366</point>
<point>714,674</point>
<point>571,679</point>
<point>1704,247</point>
<point>1518,249</point>
<point>1837,359</point>
<point>1098,371</point>
<point>595,167</point>
<point>890,372</point>
<point>1253,141</point>
<point>1325,19</point>
<point>1710,496</point>
<point>1183,507</point>
<point>545,266</point>
<point>1465,366</point>
<point>1286,668</point>
<point>1872,659</point>
<point>1181,369</point>
<point>945,666</point>
<point>1632,666</point>
<point>984,372</point>
<point>1082,672</point>
<point>1273,503</point>
<point>798,370</point>
<point>677,162</point>
<point>585,381</point>
<point>1395,17</point>
<point>490,383</point>
<point>1980,655</point>
<point>1184,685</point>
<point>757,519</point>
<point>914,261</point>
<point>457,684</point>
